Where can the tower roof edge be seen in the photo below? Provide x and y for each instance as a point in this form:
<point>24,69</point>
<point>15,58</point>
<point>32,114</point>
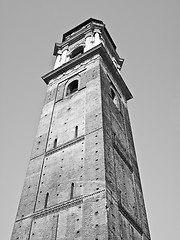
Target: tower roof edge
<point>75,29</point>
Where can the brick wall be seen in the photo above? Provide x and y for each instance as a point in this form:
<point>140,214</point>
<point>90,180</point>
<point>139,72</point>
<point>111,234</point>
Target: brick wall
<point>82,180</point>
<point>124,192</point>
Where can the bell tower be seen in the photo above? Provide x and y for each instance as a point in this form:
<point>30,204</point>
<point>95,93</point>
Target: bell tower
<point>83,180</point>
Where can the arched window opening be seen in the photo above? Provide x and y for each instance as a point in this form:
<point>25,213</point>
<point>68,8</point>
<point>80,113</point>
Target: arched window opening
<point>76,52</point>
<point>72,88</point>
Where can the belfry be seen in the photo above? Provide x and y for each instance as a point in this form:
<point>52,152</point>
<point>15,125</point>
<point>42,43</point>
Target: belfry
<point>83,180</point>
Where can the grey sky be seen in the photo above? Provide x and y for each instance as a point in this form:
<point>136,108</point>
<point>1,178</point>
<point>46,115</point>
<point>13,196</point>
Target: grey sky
<point>147,35</point>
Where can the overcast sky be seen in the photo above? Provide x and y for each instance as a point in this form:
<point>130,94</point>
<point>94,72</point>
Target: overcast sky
<point>147,35</point>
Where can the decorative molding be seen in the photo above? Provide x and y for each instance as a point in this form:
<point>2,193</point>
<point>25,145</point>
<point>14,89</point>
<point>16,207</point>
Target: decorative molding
<point>58,208</point>
<point>81,30</point>
<point>36,156</point>
<point>100,50</point>
<point>67,144</point>
<point>63,206</point>
<point>71,72</point>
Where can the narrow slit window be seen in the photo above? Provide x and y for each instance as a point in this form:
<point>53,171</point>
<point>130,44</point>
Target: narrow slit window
<point>76,131</point>
<point>112,94</point>
<point>72,190</point>
<point>55,143</point>
<point>46,200</point>
<point>72,88</point>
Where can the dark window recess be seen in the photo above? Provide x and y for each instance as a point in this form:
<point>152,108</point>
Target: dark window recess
<point>76,52</point>
<point>76,131</point>
<point>55,143</point>
<point>72,190</point>
<point>46,200</point>
<point>72,88</point>
<point>115,98</point>
<point>112,94</point>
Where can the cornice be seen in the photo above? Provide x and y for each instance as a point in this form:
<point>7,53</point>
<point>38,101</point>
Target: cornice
<point>99,49</point>
<point>70,64</point>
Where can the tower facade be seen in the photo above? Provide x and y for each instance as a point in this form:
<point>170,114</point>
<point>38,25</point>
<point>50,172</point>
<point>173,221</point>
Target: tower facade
<point>83,180</point>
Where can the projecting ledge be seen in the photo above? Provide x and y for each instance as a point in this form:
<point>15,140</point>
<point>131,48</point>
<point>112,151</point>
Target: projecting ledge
<point>99,49</point>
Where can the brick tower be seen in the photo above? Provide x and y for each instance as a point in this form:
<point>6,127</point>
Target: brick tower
<point>83,180</point>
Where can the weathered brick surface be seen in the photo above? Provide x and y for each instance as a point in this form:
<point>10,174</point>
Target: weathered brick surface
<point>60,91</point>
<point>110,174</point>
<point>127,230</point>
<point>91,74</point>
<point>128,194</point>
<point>136,172</point>
<point>106,116</point>
<point>94,217</point>
<point>50,95</point>
<point>121,171</point>
<point>125,185</point>
<point>40,141</point>
<point>30,188</point>
<point>94,177</point>
<point>116,128</point>
<point>21,230</point>
<point>141,211</point>
<point>60,170</point>
<point>117,115</point>
<point>129,132</point>
<point>113,217</point>
<point>45,119</point>
<point>145,237</point>
<point>82,82</point>
<point>93,106</point>
<point>70,223</point>
<point>39,145</point>
<point>66,116</point>
<point>44,228</point>
<point>85,221</point>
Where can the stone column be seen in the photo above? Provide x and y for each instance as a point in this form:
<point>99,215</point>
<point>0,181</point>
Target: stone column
<point>97,39</point>
<point>64,56</point>
<point>58,60</point>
